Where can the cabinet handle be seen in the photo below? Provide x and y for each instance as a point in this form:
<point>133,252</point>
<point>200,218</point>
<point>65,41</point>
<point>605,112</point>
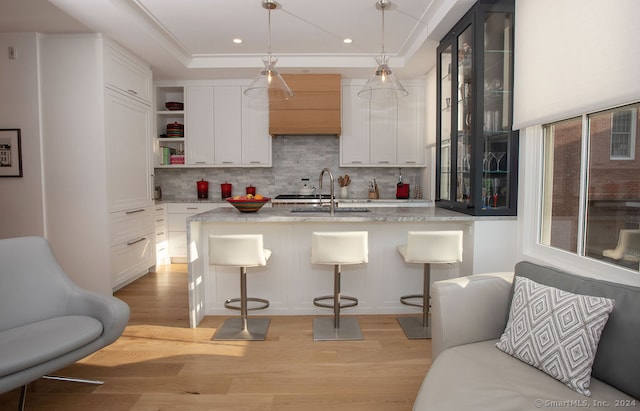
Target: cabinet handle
<point>137,241</point>
<point>134,211</point>
<point>227,162</point>
<point>160,220</point>
<point>383,162</point>
<point>200,162</point>
<point>160,233</point>
<point>356,162</point>
<point>192,208</point>
<point>410,162</point>
<point>255,162</point>
<point>135,93</point>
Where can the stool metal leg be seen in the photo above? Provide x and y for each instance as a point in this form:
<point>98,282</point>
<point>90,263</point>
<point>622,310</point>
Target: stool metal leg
<point>244,328</point>
<point>326,329</point>
<point>418,328</point>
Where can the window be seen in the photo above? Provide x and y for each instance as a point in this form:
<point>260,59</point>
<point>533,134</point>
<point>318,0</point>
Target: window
<point>623,134</point>
<point>590,203</point>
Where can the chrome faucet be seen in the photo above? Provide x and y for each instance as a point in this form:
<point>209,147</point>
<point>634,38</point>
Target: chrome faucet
<point>333,197</point>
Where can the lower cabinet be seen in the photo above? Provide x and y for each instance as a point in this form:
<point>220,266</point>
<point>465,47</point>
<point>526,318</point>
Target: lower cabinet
<point>162,235</point>
<point>177,214</point>
<point>132,244</point>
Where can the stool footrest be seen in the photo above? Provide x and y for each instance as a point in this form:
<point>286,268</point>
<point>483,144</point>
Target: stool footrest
<point>404,300</point>
<point>264,303</point>
<point>353,303</point>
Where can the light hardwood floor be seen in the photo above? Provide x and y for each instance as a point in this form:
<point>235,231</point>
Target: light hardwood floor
<point>159,363</point>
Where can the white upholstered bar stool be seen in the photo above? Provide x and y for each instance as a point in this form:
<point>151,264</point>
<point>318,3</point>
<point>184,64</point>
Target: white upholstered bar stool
<point>241,250</point>
<point>427,247</point>
<point>337,249</point>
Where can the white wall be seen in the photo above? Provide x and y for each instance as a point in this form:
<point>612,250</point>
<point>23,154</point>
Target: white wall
<point>21,204</point>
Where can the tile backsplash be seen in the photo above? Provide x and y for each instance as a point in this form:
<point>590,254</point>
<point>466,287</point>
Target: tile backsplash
<point>294,157</point>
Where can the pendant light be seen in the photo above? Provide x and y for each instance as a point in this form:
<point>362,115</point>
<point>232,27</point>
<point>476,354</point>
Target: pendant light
<point>269,83</point>
<point>383,83</point>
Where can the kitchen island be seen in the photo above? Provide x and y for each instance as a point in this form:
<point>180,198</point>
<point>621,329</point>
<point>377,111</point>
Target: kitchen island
<point>290,281</point>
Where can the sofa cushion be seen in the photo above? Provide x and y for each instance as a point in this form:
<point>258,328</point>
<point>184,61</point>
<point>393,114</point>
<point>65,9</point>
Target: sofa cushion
<point>32,344</point>
<point>621,336</point>
<point>478,376</point>
<point>555,331</point>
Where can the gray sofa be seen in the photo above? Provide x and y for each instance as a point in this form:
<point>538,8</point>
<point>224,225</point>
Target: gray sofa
<point>469,373</point>
<point>46,321</point>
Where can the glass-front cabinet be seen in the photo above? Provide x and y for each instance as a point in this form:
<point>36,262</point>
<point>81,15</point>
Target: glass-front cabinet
<point>477,154</point>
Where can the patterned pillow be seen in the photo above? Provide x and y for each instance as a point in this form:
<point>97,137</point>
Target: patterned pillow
<point>555,331</point>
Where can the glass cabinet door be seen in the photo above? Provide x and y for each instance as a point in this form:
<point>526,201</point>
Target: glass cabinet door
<point>477,150</point>
<point>465,116</point>
<point>496,126</point>
<point>445,123</point>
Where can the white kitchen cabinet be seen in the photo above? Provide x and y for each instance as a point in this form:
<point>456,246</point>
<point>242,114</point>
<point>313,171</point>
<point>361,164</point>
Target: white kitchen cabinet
<point>127,74</point>
<point>177,214</point>
<point>256,141</point>
<point>127,128</point>
<point>382,133</point>
<point>199,125</point>
<point>96,159</point>
<point>227,114</point>
<point>132,244</point>
<point>411,128</point>
<point>354,141</point>
<point>223,128</point>
<point>162,234</point>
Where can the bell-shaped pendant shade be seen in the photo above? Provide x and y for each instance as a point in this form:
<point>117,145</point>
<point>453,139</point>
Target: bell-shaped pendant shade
<point>383,84</point>
<point>269,84</point>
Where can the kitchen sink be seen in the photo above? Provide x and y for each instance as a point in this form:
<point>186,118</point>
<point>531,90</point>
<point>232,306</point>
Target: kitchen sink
<point>326,210</point>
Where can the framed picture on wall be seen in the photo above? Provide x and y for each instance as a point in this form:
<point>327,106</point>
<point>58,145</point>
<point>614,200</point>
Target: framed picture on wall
<point>10,153</point>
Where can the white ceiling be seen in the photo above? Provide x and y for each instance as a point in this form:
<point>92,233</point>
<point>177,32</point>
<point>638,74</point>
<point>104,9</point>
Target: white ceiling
<point>192,39</point>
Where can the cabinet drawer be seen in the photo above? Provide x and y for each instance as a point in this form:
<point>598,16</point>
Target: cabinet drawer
<point>189,208</point>
<point>177,222</point>
<point>127,74</point>
<point>131,224</point>
<point>128,260</point>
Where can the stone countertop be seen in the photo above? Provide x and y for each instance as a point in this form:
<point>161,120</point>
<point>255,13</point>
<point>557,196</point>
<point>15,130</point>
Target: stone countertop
<point>339,200</point>
<point>384,214</point>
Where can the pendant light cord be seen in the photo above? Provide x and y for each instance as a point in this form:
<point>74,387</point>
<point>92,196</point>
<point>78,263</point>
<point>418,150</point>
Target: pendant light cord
<point>382,7</point>
<point>269,25</point>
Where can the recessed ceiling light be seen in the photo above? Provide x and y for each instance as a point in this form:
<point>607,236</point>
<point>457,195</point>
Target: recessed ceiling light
<point>347,41</point>
<point>237,41</point>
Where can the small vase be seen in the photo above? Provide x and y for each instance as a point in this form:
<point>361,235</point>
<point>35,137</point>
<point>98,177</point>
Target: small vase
<point>344,192</point>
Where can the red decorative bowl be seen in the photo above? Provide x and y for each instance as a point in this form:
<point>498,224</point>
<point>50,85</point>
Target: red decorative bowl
<point>248,205</point>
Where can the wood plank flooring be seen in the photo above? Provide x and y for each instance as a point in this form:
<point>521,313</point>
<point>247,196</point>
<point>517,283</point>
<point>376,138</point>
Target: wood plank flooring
<point>159,363</point>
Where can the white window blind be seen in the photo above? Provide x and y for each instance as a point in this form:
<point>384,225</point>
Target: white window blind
<point>574,57</point>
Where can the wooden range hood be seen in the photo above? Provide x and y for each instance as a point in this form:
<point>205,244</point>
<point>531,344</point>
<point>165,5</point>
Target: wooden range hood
<point>314,108</point>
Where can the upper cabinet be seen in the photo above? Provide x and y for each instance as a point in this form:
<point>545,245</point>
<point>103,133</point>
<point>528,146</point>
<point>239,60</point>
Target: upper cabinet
<point>477,152</point>
<point>217,127</point>
<point>382,133</point>
<point>125,73</point>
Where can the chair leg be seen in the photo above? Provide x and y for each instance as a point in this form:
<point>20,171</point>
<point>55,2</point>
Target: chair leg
<point>23,391</point>
<point>426,295</point>
<point>336,296</point>
<point>414,327</point>
<point>23,397</point>
<point>243,297</point>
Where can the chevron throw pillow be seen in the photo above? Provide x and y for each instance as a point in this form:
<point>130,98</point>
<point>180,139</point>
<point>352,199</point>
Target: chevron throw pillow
<point>555,331</point>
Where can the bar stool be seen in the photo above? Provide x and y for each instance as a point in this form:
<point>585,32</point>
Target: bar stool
<point>337,249</point>
<point>241,250</point>
<point>427,247</point>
